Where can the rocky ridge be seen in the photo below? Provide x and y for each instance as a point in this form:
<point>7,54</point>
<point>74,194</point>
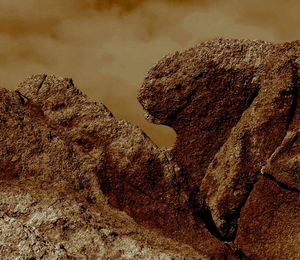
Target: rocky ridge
<point>228,189</point>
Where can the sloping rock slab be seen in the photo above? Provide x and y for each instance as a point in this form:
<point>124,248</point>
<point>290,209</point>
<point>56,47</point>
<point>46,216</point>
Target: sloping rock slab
<point>231,103</point>
<point>57,150</point>
<point>270,222</point>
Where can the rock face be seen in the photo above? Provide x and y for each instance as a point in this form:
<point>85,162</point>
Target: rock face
<point>51,206</point>
<point>269,222</point>
<point>235,108</point>
<point>228,189</point>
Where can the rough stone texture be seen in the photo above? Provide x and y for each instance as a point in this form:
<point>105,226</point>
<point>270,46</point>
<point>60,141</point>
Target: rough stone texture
<point>51,206</point>
<point>284,163</point>
<point>269,224</point>
<point>203,94</point>
<point>136,176</point>
<point>228,189</point>
<point>234,105</point>
<point>250,143</point>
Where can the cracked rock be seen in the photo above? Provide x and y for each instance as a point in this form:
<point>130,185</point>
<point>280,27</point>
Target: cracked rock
<point>234,105</point>
<point>76,183</point>
<point>51,160</point>
<point>269,223</point>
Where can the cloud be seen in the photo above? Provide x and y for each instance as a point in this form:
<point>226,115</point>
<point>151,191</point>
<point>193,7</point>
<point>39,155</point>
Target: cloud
<point>107,46</point>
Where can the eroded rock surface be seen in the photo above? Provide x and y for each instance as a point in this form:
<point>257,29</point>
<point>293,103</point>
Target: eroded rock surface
<point>269,222</point>
<point>228,189</point>
<point>135,175</point>
<point>235,108</point>
<point>51,206</point>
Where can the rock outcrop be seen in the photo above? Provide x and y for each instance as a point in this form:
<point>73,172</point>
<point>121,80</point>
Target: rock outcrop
<point>228,189</point>
<point>51,206</point>
<point>235,108</point>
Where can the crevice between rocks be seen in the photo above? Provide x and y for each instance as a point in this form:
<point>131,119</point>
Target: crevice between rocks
<point>204,212</point>
<point>295,93</point>
<point>41,83</point>
<point>237,252</point>
<point>22,97</point>
<point>251,98</point>
<point>236,215</point>
<point>280,184</point>
<point>136,188</point>
<point>231,219</point>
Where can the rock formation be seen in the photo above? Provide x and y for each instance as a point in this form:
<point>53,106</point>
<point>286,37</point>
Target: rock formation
<point>78,183</point>
<point>234,106</point>
<point>51,206</point>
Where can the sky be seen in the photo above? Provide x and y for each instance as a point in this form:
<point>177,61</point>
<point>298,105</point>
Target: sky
<point>107,46</point>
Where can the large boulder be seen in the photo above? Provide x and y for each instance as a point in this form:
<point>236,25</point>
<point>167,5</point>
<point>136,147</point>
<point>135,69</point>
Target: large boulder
<point>234,105</point>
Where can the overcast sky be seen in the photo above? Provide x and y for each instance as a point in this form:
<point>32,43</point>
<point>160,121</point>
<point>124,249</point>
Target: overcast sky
<point>107,46</point>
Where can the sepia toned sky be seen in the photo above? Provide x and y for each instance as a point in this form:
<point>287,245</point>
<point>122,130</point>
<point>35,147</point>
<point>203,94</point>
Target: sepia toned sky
<point>107,46</point>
